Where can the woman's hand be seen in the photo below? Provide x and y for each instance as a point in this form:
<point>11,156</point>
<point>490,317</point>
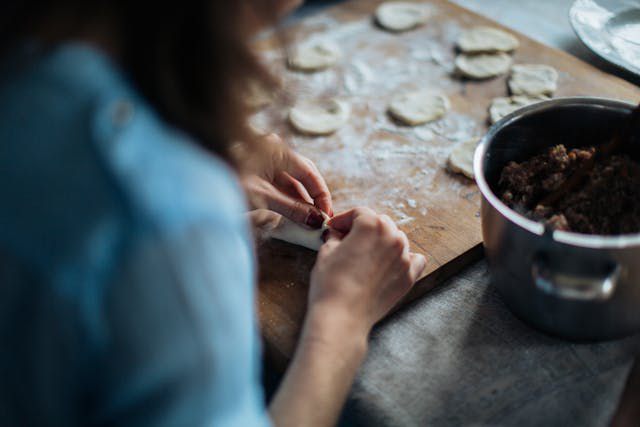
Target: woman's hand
<point>289,184</point>
<point>363,269</point>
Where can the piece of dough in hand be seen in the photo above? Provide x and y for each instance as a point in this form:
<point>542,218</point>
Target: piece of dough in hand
<point>314,55</point>
<point>533,80</point>
<point>400,16</point>
<point>483,65</point>
<point>461,158</point>
<point>416,108</point>
<point>486,40</point>
<point>501,107</point>
<point>291,232</point>
<point>319,117</point>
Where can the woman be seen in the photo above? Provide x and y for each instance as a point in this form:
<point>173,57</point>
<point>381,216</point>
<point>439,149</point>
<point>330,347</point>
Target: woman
<point>127,268</point>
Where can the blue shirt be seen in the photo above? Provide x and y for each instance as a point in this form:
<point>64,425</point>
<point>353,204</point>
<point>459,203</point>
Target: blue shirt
<point>126,265</point>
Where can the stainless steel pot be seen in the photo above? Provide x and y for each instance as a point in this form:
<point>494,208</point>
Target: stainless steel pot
<point>577,286</point>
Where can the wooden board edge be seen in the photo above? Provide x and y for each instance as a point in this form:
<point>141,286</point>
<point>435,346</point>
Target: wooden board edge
<point>442,274</point>
<point>279,360</point>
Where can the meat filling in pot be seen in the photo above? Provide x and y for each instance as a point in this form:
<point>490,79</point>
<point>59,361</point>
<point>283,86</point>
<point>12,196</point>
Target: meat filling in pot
<point>607,202</point>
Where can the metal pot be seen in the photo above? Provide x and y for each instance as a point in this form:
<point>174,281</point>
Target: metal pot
<point>577,286</point>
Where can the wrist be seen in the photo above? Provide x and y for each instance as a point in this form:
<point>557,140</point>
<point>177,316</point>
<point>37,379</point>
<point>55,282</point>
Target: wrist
<point>332,327</point>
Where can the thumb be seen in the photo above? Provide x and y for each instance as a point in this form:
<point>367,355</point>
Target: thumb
<point>331,238</point>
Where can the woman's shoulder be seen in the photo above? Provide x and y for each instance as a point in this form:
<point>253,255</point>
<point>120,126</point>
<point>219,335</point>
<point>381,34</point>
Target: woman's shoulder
<point>163,174</point>
<point>83,148</point>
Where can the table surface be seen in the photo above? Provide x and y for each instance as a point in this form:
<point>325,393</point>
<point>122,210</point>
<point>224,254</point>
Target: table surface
<point>458,356</point>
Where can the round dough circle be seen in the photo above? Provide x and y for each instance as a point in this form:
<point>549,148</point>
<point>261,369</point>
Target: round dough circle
<point>314,55</point>
<point>486,39</point>
<point>416,108</point>
<point>533,80</point>
<point>461,158</point>
<point>501,107</point>
<point>400,16</point>
<point>319,118</point>
<point>483,66</point>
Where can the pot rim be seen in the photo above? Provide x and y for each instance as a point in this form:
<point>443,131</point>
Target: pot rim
<point>566,237</point>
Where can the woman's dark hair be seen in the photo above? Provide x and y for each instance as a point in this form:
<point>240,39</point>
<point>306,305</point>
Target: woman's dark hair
<point>190,59</point>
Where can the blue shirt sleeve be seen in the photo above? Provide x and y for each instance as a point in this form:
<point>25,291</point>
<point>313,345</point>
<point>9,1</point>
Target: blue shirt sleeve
<point>181,335</point>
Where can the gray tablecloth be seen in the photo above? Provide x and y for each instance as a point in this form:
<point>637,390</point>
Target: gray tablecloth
<point>459,357</point>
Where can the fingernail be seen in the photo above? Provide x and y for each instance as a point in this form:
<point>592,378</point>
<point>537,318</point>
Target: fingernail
<point>314,219</point>
<point>325,235</point>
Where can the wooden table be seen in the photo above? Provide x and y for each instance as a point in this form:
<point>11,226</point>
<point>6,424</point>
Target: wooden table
<point>458,356</point>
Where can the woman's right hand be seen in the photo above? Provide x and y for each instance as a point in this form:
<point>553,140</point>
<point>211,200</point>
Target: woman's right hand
<point>361,272</point>
<point>363,269</point>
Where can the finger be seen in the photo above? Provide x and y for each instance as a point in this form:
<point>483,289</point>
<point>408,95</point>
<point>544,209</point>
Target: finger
<point>405,241</point>
<point>296,210</point>
<point>264,195</point>
<point>398,239</point>
<point>418,267</point>
<point>292,187</point>
<point>343,222</point>
<point>331,234</point>
<point>398,247</point>
<point>302,169</point>
<point>306,172</point>
<point>331,239</point>
<point>390,225</point>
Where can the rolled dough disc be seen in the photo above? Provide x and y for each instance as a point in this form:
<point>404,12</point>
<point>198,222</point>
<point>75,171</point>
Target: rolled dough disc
<point>314,55</point>
<point>319,118</point>
<point>486,39</point>
<point>483,65</point>
<point>400,16</point>
<point>416,108</point>
<point>461,158</point>
<point>533,80</point>
<point>501,107</point>
<point>288,231</point>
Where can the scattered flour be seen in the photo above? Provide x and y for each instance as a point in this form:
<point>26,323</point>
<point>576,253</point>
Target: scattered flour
<point>371,145</point>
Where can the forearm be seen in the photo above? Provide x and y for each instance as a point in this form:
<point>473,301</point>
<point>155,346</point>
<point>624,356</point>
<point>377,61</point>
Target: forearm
<point>315,387</point>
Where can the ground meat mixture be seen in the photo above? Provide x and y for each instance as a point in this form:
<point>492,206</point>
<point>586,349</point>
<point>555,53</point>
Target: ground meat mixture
<point>607,202</point>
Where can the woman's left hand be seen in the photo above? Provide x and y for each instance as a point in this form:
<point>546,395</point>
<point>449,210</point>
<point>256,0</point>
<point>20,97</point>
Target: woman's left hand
<point>289,184</point>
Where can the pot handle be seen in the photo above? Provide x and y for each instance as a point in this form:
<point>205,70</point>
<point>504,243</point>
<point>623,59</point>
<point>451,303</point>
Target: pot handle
<point>582,287</point>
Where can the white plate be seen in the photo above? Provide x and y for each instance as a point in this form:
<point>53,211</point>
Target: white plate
<point>611,29</point>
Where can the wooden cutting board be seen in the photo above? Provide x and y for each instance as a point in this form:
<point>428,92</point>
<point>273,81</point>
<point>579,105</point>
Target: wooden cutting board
<point>375,162</point>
